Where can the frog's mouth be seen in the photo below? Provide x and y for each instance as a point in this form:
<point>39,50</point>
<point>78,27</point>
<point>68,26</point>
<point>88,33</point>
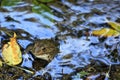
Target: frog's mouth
<point>45,57</point>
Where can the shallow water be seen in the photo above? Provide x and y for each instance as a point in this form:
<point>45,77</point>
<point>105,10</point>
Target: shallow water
<point>71,22</point>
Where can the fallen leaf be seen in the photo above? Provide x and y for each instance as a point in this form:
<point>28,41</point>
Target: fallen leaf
<point>114,25</point>
<point>11,52</point>
<point>105,32</point>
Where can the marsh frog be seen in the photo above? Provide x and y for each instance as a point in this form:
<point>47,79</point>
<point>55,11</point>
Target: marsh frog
<point>45,49</point>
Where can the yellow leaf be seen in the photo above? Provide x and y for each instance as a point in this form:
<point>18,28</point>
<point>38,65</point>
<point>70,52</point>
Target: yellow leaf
<point>11,52</point>
<point>105,32</point>
<point>0,63</point>
<point>114,25</point>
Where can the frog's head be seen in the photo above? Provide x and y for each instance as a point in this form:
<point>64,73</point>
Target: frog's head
<point>44,53</point>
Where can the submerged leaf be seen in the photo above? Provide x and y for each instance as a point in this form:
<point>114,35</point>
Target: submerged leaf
<point>45,0</point>
<point>114,25</point>
<point>83,73</point>
<point>9,2</point>
<point>105,32</point>
<point>11,52</point>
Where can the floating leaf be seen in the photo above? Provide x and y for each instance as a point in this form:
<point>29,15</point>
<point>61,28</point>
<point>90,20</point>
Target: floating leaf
<point>105,32</point>
<point>11,52</point>
<point>114,25</point>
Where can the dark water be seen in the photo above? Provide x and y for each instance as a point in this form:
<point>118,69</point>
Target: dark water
<point>71,21</point>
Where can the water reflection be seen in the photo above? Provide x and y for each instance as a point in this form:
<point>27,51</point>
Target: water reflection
<point>70,22</point>
<point>43,19</point>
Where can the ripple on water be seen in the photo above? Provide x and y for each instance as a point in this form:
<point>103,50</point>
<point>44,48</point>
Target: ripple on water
<point>64,19</point>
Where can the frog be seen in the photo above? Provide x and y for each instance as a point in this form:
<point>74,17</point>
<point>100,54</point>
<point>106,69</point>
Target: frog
<point>44,49</point>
